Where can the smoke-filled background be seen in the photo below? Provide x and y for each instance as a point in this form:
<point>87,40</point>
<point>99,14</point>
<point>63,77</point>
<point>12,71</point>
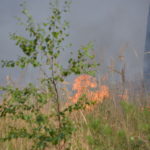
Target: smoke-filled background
<point>117,28</point>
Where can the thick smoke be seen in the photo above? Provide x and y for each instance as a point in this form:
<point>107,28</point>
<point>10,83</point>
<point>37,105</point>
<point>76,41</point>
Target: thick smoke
<point>117,27</point>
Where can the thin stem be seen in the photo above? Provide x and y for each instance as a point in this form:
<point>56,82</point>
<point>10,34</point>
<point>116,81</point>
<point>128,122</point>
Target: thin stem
<point>56,91</point>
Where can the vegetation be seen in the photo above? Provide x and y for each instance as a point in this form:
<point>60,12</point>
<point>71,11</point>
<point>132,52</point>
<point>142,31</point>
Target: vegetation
<point>42,49</point>
<point>90,117</point>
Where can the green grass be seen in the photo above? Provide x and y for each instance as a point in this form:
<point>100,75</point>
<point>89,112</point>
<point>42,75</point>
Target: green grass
<point>125,127</point>
<point>109,126</point>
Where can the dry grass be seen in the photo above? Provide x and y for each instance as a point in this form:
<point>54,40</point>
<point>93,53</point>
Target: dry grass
<point>119,122</point>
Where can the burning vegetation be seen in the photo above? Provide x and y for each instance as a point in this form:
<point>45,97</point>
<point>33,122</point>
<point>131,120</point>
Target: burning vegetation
<point>87,85</point>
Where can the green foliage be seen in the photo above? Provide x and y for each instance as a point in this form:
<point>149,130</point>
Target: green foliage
<point>129,131</point>
<point>42,49</point>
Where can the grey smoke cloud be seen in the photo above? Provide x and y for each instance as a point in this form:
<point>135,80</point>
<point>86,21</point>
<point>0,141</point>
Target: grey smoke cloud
<point>111,24</point>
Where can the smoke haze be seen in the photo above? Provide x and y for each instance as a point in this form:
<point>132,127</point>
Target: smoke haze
<point>114,26</point>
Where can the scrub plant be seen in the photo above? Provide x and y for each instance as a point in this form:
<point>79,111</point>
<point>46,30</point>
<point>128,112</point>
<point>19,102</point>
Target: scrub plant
<point>42,49</point>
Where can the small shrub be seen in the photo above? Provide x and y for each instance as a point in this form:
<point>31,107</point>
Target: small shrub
<point>42,49</point>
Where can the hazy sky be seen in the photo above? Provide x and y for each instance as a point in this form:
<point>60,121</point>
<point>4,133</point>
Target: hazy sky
<point>111,24</point>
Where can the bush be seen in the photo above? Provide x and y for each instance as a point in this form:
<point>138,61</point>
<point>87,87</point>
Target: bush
<point>42,49</point>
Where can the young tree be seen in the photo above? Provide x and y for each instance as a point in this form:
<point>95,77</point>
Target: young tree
<point>42,50</point>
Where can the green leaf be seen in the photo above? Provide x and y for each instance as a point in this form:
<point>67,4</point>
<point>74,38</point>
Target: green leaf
<point>55,34</point>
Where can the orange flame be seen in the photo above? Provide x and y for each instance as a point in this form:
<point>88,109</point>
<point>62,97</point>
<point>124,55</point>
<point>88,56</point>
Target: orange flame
<point>86,84</point>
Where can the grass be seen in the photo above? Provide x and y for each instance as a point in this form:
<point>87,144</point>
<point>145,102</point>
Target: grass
<point>126,127</point>
<point>114,124</point>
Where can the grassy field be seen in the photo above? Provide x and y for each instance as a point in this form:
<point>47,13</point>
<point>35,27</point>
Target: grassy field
<point>118,122</point>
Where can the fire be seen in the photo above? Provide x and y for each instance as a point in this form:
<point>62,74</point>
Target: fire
<point>87,85</point>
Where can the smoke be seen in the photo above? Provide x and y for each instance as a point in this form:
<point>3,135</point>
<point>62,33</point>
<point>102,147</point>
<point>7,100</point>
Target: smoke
<point>112,25</point>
